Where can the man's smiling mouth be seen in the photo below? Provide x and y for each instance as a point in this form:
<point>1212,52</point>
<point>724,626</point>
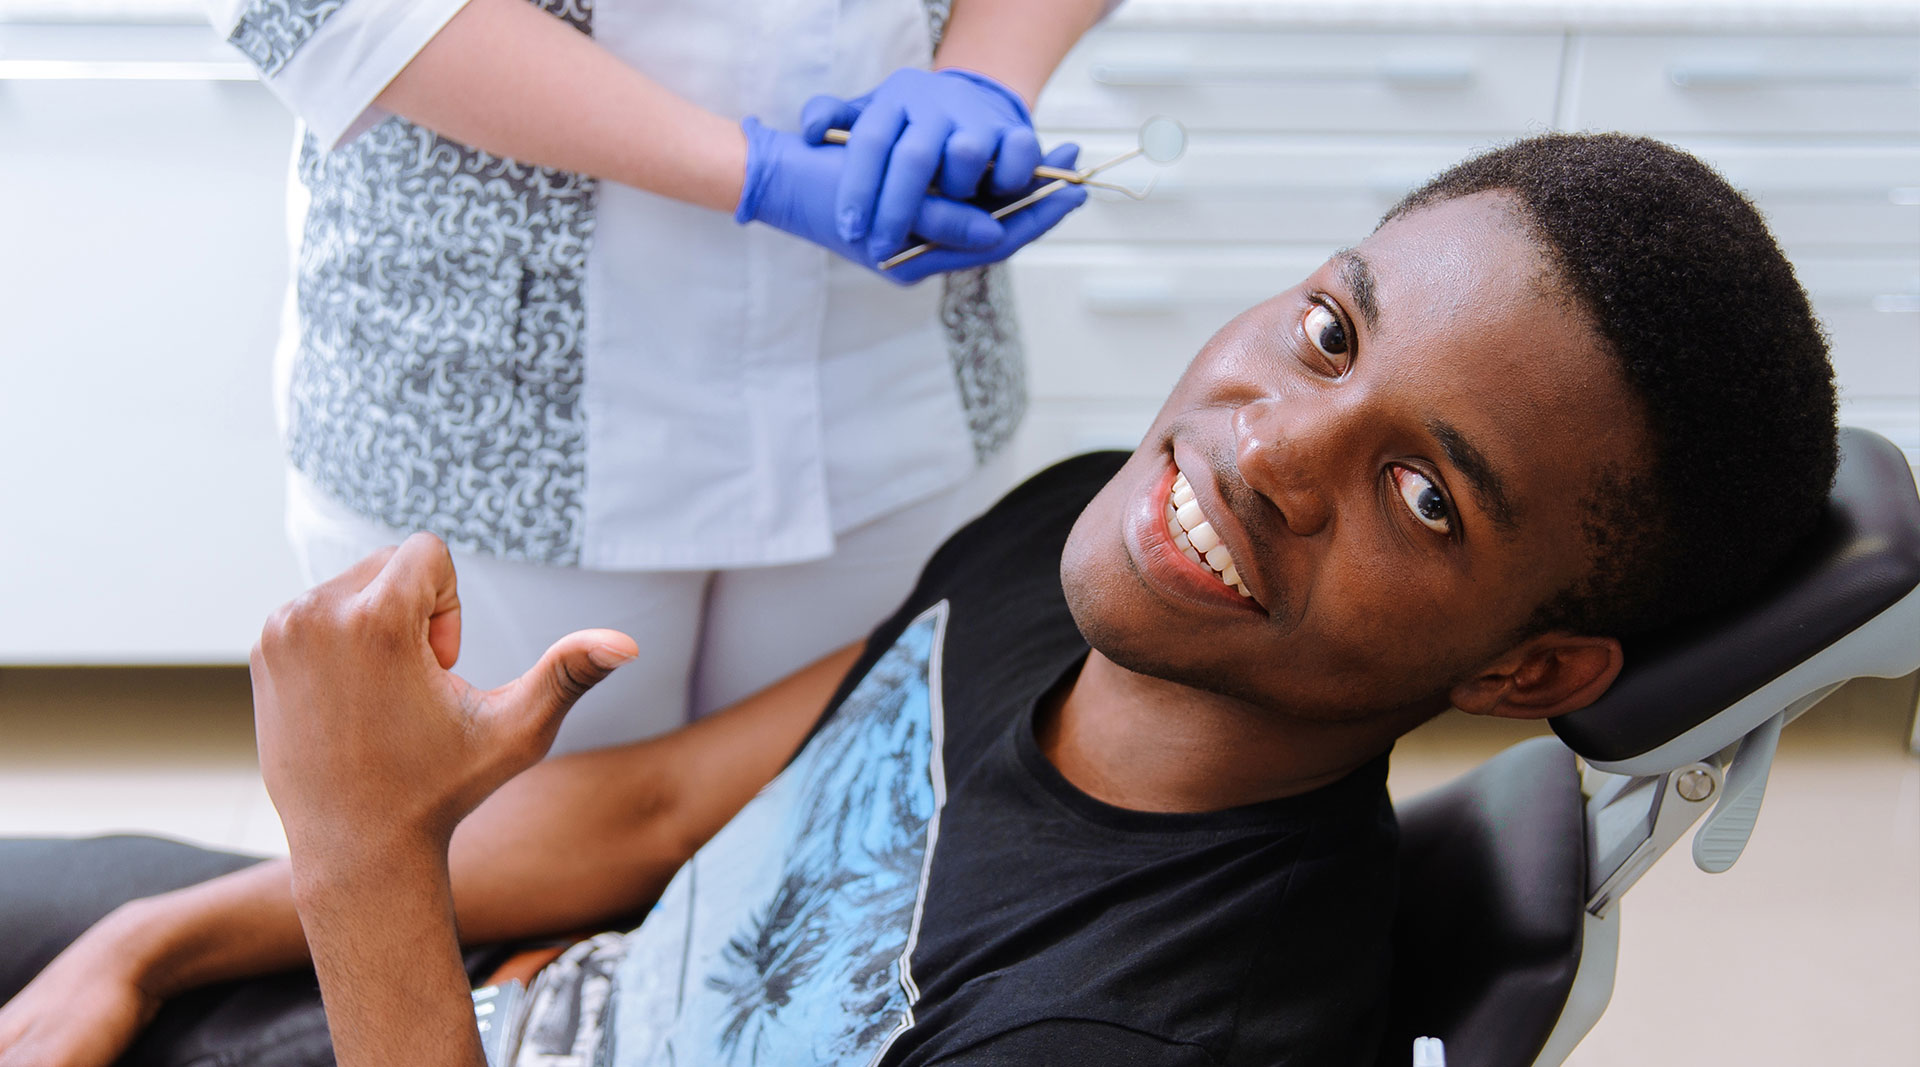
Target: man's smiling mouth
<point>1194,535</point>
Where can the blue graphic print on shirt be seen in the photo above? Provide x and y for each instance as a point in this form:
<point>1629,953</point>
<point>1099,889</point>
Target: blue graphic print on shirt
<point>788,937</point>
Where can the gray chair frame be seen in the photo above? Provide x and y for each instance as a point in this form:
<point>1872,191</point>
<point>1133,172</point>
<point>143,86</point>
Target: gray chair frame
<point>1524,861</point>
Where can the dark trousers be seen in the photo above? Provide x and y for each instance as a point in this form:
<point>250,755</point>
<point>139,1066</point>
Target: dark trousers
<point>51,890</point>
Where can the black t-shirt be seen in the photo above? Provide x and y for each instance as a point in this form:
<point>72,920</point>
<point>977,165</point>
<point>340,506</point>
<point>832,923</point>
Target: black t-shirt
<point>922,886</point>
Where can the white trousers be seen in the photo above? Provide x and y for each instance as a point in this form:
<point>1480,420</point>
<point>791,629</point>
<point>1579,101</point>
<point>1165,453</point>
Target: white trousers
<point>707,638</point>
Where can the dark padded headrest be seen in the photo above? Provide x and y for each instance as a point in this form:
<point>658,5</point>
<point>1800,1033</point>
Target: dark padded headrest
<point>1864,556</point>
<point>1486,938</point>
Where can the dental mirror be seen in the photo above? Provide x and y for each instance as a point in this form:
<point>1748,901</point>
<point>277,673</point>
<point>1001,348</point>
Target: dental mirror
<point>1163,140</point>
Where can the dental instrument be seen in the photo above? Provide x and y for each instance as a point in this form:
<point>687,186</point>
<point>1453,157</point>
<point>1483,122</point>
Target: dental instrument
<point>1162,141</point>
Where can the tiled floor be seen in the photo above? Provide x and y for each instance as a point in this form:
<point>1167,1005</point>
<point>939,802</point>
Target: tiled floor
<point>1807,952</point>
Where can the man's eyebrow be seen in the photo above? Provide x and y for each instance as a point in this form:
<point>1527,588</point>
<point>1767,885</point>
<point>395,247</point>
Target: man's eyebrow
<point>1358,278</point>
<point>1487,486</point>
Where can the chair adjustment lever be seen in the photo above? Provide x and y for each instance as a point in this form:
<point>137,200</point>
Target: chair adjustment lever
<point>1723,834</point>
<point>1631,822</point>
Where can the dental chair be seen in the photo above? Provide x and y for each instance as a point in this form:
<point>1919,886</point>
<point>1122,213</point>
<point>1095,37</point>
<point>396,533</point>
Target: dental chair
<point>1508,925</point>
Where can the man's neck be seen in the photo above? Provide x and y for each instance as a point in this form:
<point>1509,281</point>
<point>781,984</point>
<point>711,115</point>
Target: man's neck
<point>1147,744</point>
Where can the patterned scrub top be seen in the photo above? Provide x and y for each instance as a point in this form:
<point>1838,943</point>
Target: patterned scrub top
<point>540,366</point>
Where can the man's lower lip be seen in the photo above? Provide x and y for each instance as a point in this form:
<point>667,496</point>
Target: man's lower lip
<point>1161,562</point>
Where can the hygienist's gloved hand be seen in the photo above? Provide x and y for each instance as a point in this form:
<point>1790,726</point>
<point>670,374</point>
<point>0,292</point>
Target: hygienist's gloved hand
<point>790,185</point>
<point>915,125</point>
<point>1022,227</point>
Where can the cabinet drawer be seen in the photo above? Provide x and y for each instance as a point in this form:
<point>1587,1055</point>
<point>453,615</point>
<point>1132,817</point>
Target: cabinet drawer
<point>1243,189</point>
<point>1871,309</point>
<point>1118,323</point>
<point>1325,82</point>
<point>1747,84</point>
<point>1122,323</point>
<point>1825,196</point>
<point>1240,189</point>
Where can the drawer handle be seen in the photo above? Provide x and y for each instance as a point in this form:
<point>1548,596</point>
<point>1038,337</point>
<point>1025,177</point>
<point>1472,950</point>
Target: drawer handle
<point>1897,303</point>
<point>1128,296</point>
<point>116,70</point>
<point>1755,75</point>
<point>1409,72</point>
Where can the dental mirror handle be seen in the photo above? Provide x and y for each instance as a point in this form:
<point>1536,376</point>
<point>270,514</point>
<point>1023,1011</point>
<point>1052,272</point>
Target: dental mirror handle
<point>1041,193</point>
<point>1043,171</point>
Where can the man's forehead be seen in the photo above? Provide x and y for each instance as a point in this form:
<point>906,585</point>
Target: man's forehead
<point>1451,250</point>
<point>1518,390</point>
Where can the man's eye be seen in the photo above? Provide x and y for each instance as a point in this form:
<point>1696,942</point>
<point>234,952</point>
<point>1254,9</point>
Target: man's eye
<point>1424,499</point>
<point>1327,334</point>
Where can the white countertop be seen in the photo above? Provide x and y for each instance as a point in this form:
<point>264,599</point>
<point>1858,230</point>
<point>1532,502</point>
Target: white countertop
<point>1618,15</point>
<point>1613,15</point>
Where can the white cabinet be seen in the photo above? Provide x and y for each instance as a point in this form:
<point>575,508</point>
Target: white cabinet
<point>1261,80</point>
<point>1823,133</point>
<point>142,175</point>
<point>1764,85</point>
<point>1240,189</point>
<point>1299,141</point>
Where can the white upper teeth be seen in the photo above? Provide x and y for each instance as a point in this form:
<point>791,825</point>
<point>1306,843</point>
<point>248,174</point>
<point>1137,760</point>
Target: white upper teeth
<point>1195,537</point>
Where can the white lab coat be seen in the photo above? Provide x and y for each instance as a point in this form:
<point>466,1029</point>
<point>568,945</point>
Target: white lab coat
<point>644,384</point>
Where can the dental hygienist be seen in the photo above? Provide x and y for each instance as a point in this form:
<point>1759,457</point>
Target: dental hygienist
<point>526,317</point>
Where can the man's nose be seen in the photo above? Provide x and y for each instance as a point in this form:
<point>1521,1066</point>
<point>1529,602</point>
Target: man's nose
<point>1287,450</point>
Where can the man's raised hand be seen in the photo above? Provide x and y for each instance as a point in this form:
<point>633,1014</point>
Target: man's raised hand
<point>368,741</point>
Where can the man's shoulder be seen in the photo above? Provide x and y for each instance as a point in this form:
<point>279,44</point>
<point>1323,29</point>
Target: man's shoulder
<point>1040,512</point>
<point>1074,478</point>
<point>1000,575</point>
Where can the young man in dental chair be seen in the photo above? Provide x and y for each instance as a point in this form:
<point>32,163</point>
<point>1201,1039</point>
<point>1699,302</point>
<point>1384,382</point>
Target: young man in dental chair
<point>1108,788</point>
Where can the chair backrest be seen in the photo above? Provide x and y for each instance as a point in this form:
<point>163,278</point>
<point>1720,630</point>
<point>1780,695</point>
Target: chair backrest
<point>1862,559</point>
<point>1487,934</point>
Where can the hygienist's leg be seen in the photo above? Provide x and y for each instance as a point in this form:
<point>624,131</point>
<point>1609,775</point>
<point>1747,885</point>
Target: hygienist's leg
<point>511,611</point>
<point>764,623</point>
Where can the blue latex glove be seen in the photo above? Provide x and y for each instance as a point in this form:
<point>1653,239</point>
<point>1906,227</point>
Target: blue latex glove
<point>916,125</point>
<point>790,185</point>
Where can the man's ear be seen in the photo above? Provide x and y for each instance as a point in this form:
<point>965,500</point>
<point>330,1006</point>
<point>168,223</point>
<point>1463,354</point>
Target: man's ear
<point>1545,675</point>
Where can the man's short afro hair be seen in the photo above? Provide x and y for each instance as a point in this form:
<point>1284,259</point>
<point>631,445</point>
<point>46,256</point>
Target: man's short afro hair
<point>1688,290</point>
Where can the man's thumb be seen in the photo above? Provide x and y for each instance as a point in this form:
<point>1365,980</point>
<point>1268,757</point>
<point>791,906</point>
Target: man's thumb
<point>573,665</point>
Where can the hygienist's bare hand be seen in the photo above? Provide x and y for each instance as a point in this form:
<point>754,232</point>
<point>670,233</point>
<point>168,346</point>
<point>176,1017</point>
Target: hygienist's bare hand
<point>368,742</point>
<point>84,1010</point>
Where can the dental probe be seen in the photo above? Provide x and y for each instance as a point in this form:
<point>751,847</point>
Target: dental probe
<point>1042,171</point>
<point>1162,141</point>
<point>1041,193</point>
<point>1052,187</point>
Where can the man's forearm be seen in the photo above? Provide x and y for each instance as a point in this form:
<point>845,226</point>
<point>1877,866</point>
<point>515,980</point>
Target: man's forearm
<point>571,843</point>
<point>549,853</point>
<point>508,78</point>
<point>381,925</point>
<point>589,836</point>
<point>238,925</point>
<point>1016,42</point>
